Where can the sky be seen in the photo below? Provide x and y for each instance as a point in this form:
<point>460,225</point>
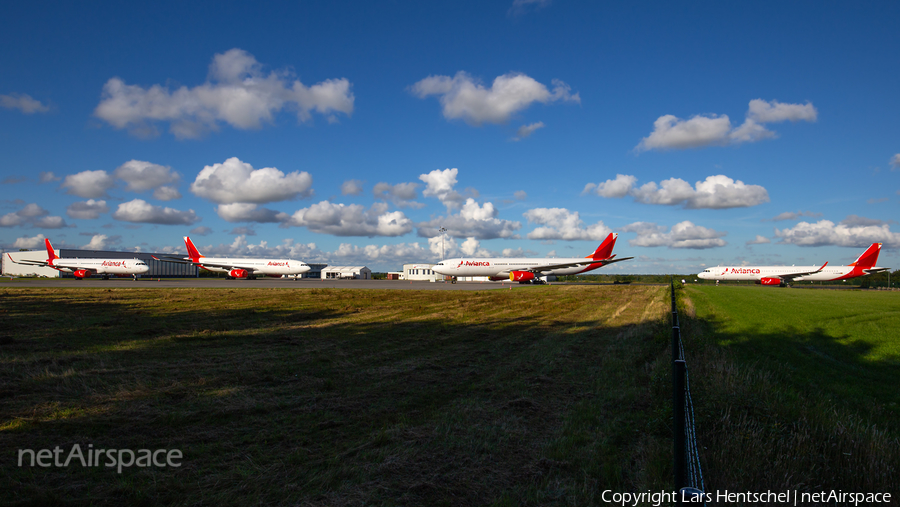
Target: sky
<point>351,133</point>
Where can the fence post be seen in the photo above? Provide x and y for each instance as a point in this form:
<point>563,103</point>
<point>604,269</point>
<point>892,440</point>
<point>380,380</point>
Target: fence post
<point>678,422</point>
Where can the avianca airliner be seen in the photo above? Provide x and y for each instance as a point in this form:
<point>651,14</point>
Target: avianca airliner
<point>239,267</point>
<point>82,268</point>
<point>526,270</point>
<point>784,275</point>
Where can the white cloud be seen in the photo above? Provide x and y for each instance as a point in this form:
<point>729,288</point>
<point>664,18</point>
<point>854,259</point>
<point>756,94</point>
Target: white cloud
<point>401,194</point>
<point>34,216</point>
<point>715,192</point>
<point>774,111</point>
<point>520,195</point>
<point>98,242</point>
<point>246,212</point>
<point>671,132</point>
<point>140,211</point>
<point>526,130</point>
<point>47,177</point>
<point>88,184</point>
<point>473,220</point>
<point>560,223</point>
<point>201,231</point>
<point>791,215</point>
<point>235,181</point>
<point>759,240</point>
<point>352,187</point>
<point>11,220</point>
<point>464,98</point>
<point>141,176</point>
<point>826,232</point>
<point>87,210</point>
<point>23,102</point>
<point>440,184</point>
<point>351,220</point>
<point>895,161</point>
<point>683,235</point>
<point>856,220</point>
<point>166,193</point>
<point>32,211</point>
<point>53,222</point>
<point>30,243</point>
<point>238,93</point>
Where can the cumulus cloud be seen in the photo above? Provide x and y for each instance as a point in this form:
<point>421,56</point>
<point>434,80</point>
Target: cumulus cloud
<point>53,222</point>
<point>246,212</point>
<point>826,232</point>
<point>166,193</point>
<point>235,181</point>
<point>352,187</point>
<point>32,215</point>
<point>856,220</point>
<point>671,132</point>
<point>404,253</point>
<point>440,184</point>
<point>47,177</point>
<point>98,242</point>
<point>140,211</point>
<point>141,176</point>
<point>526,130</point>
<point>88,184</point>
<point>351,220</point>
<point>201,231</point>
<point>237,93</point>
<point>560,223</point>
<point>245,231</point>
<point>715,192</point>
<point>464,98</point>
<point>401,194</point>
<point>683,235</point>
<point>520,195</point>
<point>23,102</point>
<point>895,162</point>
<point>759,240</point>
<point>791,215</point>
<point>30,243</point>
<point>473,220</point>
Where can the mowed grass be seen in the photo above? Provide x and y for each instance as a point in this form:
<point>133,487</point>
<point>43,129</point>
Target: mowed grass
<point>538,395</point>
<point>798,388</point>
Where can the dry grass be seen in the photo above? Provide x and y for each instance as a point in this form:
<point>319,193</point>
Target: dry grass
<point>535,396</point>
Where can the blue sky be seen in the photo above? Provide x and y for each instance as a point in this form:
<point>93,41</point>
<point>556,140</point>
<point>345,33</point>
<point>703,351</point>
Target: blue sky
<point>349,133</point>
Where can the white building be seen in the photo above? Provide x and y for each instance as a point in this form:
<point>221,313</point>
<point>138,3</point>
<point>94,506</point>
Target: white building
<point>420,272</point>
<point>346,273</point>
<point>10,268</point>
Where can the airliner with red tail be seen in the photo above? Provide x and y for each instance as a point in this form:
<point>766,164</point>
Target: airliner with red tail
<point>784,275</point>
<point>239,267</point>
<point>527,270</point>
<point>83,268</point>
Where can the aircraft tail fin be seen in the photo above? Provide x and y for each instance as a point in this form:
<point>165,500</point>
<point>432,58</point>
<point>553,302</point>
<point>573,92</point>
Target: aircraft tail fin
<point>604,251</point>
<point>869,257</point>
<point>51,253</point>
<point>193,253</point>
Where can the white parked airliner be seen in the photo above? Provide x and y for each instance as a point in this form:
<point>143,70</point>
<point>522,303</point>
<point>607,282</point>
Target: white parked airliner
<point>82,268</point>
<point>784,275</point>
<point>526,270</point>
<point>239,267</point>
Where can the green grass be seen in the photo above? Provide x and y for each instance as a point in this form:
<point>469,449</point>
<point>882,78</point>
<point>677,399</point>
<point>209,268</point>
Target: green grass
<point>798,388</point>
<point>539,395</point>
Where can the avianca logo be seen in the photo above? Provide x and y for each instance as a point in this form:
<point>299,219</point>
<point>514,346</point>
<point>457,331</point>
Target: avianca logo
<point>114,263</point>
<point>743,271</point>
<point>474,263</point>
<point>277,263</point>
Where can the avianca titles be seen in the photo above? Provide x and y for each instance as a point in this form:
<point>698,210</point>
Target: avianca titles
<point>82,268</point>
<point>527,269</point>
<point>784,275</point>
<point>239,267</point>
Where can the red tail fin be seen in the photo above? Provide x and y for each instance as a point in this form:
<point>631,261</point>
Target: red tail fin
<point>51,253</point>
<point>193,253</point>
<point>604,251</point>
<point>869,257</point>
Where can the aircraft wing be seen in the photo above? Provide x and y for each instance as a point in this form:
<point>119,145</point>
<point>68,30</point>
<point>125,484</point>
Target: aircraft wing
<point>28,262</point>
<point>202,263</point>
<point>586,262</point>
<point>789,277</point>
<point>178,260</point>
<point>872,271</point>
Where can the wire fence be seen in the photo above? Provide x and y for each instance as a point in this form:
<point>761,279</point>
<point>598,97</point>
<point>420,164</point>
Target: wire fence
<point>688,472</point>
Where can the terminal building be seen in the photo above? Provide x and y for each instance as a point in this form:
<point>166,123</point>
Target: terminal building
<point>157,268</point>
<point>346,273</point>
<point>420,272</point>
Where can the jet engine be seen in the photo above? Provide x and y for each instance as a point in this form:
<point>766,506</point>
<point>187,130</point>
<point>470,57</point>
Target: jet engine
<point>81,273</point>
<point>770,281</point>
<point>521,276</point>
<point>238,273</point>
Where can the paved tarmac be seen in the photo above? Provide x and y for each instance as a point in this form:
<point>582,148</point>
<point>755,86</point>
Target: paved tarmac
<point>259,283</point>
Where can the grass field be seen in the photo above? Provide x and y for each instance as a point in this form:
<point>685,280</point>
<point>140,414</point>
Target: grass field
<point>539,395</point>
<point>799,387</point>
